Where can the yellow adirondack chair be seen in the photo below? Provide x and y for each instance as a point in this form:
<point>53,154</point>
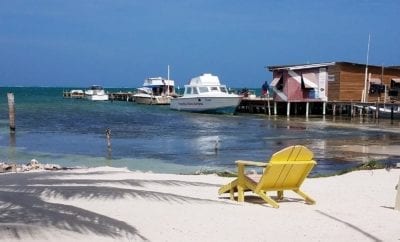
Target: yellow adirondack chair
<point>286,170</point>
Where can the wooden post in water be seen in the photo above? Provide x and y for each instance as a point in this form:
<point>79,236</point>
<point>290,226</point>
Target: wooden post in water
<point>307,108</point>
<point>334,109</point>
<point>108,135</point>
<point>352,113</point>
<point>397,204</point>
<point>391,113</point>
<point>11,111</point>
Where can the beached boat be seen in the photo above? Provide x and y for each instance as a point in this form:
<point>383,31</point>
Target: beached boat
<point>96,93</point>
<point>155,90</point>
<point>386,112</point>
<point>205,94</point>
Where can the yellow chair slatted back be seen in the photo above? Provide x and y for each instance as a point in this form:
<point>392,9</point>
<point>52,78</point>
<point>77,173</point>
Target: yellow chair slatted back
<point>287,169</point>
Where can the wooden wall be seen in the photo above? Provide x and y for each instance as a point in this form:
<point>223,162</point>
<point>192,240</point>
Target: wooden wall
<point>333,91</point>
<point>349,78</point>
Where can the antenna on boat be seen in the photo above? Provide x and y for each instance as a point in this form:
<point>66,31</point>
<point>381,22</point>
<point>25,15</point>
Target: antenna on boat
<point>365,96</point>
<point>168,80</point>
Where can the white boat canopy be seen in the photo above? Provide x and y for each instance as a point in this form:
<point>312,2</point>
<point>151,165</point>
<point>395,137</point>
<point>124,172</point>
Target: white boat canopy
<point>205,80</point>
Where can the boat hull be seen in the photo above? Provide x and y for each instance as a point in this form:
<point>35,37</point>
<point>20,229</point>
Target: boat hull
<point>224,105</point>
<point>152,100</point>
<point>97,97</point>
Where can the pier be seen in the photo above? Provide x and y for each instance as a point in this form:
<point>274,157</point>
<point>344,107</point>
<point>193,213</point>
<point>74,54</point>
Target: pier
<point>268,106</point>
<point>113,96</point>
<point>307,108</point>
<point>121,96</point>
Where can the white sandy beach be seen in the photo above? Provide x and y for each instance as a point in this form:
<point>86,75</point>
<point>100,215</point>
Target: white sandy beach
<point>112,204</point>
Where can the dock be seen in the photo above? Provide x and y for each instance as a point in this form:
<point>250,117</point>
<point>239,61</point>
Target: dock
<point>74,94</point>
<point>113,96</point>
<point>121,96</point>
<point>307,108</point>
<point>268,106</point>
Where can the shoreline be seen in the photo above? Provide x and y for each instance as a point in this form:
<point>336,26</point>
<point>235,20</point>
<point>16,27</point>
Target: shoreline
<point>34,165</point>
<point>116,204</point>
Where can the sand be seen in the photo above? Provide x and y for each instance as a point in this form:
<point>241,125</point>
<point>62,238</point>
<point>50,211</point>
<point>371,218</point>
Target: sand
<point>114,204</point>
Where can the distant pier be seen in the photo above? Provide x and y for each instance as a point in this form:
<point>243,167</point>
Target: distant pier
<point>113,96</point>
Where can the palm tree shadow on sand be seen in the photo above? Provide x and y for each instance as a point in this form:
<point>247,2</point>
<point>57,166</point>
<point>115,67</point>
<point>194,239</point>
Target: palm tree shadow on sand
<point>23,212</point>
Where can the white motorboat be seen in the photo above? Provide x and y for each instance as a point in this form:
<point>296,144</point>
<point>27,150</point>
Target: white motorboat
<point>387,112</point>
<point>205,94</point>
<point>155,90</point>
<point>96,93</point>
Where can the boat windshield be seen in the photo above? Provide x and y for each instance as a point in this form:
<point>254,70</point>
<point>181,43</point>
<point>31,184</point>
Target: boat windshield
<point>214,89</point>
<point>203,89</point>
<point>223,89</point>
<point>96,88</point>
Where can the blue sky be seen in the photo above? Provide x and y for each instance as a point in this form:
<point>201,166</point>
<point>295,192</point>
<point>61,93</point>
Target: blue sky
<point>118,43</point>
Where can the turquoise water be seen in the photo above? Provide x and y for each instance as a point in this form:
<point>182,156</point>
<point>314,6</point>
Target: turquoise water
<point>71,132</point>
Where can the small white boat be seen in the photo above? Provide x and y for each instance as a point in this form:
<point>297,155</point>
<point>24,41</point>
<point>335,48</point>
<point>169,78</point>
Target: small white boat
<point>205,94</point>
<point>155,91</point>
<point>386,112</point>
<point>74,94</point>
<point>96,93</point>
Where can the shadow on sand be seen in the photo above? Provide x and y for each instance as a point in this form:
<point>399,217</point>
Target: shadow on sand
<point>23,212</point>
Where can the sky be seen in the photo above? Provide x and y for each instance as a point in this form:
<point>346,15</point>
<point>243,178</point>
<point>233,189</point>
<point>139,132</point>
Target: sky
<point>119,43</point>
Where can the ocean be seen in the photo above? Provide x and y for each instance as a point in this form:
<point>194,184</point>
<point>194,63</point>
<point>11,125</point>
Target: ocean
<point>72,133</point>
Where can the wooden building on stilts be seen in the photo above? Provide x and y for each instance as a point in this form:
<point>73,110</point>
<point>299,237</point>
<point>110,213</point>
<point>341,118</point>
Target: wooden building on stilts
<point>332,88</point>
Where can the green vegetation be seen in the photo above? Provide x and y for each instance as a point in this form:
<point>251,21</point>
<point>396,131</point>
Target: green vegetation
<point>370,165</point>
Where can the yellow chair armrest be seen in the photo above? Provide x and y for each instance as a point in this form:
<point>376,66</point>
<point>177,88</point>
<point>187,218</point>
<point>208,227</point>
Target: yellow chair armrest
<point>251,163</point>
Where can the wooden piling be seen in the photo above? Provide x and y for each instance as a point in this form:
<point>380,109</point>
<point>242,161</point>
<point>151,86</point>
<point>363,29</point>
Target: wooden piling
<point>307,108</point>
<point>391,112</point>
<point>397,203</point>
<point>334,109</point>
<point>11,111</point>
<point>108,135</point>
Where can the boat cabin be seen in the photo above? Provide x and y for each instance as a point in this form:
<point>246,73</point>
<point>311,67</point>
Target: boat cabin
<point>159,86</point>
<point>205,84</point>
<point>205,89</point>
